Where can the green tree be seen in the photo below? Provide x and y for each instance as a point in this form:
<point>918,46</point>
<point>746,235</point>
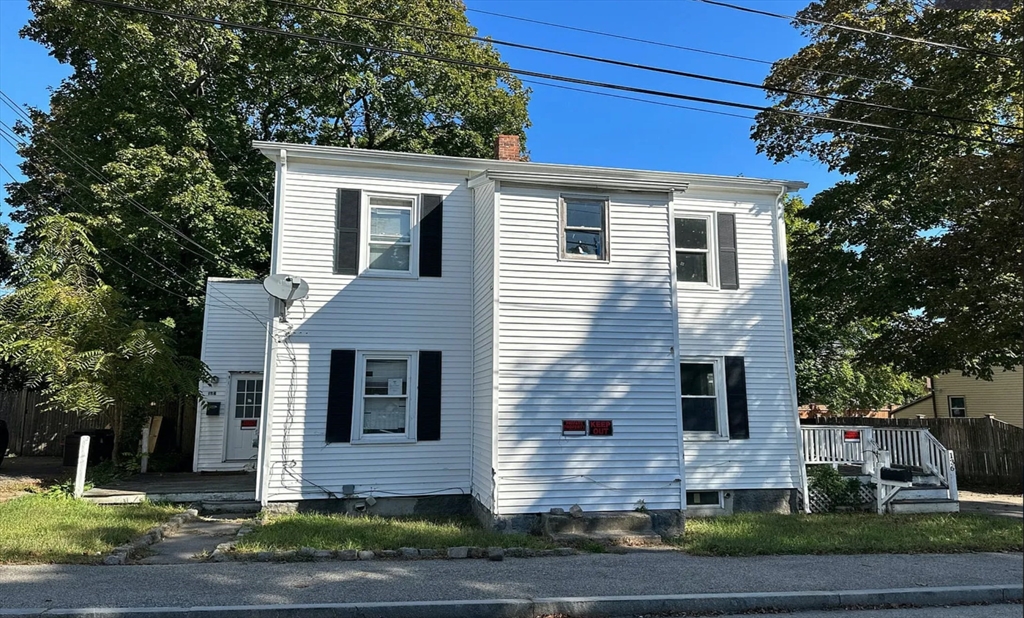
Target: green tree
<point>164,111</point>
<point>927,231</point>
<point>68,334</point>
<point>833,365</point>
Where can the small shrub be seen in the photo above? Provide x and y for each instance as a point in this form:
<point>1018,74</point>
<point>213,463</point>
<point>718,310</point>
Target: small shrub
<point>837,490</point>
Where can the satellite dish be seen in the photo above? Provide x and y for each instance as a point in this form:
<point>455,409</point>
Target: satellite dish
<point>288,288</point>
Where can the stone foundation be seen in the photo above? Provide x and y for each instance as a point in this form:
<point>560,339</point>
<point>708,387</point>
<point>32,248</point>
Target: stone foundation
<point>427,506</point>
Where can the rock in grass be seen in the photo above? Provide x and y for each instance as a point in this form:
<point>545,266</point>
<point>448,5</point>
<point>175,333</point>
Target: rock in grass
<point>564,551</point>
<point>495,554</point>
<point>114,559</point>
<point>265,556</point>
<point>428,553</point>
<point>545,553</point>
<point>323,554</point>
<point>458,552</point>
<point>348,554</point>
<point>387,553</point>
<point>366,555</point>
<point>409,552</point>
<point>514,552</point>
<point>477,552</point>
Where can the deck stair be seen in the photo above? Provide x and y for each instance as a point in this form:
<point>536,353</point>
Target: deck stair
<point>911,470</point>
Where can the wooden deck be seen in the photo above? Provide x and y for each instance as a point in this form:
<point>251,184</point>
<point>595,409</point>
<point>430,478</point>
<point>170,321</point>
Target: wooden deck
<point>178,488</point>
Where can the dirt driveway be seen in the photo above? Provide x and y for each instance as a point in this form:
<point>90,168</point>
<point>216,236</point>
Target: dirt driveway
<point>1006,505</point>
<point>18,475</point>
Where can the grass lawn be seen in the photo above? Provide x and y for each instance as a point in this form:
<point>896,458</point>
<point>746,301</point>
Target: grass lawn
<point>44,529</point>
<point>333,532</point>
<point>762,534</point>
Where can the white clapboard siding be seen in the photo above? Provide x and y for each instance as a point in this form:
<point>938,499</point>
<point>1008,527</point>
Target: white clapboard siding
<point>372,314</point>
<point>585,340</point>
<point>483,343</point>
<point>233,341</point>
<point>747,322</point>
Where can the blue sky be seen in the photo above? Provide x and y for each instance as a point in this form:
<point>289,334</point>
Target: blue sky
<point>574,127</point>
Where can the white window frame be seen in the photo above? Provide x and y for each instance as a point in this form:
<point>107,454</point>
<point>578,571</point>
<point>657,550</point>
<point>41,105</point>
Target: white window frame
<point>711,219</point>
<point>563,221</point>
<point>949,405</point>
<point>414,237</point>
<point>412,368</point>
<point>721,405</point>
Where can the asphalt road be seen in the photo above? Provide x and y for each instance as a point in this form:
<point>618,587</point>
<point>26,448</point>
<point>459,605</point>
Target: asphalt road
<point>641,573</point>
<point>972,611</point>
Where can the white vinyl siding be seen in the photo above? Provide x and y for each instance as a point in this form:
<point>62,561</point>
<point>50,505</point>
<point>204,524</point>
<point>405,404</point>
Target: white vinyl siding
<point>368,313</point>
<point>585,340</point>
<point>748,322</point>
<point>483,343</point>
<point>234,341</point>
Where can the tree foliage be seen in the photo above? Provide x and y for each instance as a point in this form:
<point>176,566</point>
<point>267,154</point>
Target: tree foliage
<point>926,234</point>
<point>68,333</point>
<point>164,112</point>
<point>833,365</point>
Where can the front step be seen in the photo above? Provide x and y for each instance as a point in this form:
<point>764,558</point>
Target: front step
<point>906,507</point>
<point>207,507</point>
<point>923,492</point>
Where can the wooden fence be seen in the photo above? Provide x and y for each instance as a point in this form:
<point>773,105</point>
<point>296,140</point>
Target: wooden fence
<point>34,430</point>
<point>989,453</point>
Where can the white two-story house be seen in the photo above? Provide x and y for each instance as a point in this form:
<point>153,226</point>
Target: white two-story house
<point>509,337</point>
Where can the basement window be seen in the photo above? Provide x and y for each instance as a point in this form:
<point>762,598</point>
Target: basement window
<point>704,498</point>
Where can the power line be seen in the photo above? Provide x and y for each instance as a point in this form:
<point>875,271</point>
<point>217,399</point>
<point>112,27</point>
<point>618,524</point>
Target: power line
<point>691,49</point>
<point>7,100</point>
<point>855,29</point>
<point>505,69</point>
<point>645,67</point>
<point>238,307</point>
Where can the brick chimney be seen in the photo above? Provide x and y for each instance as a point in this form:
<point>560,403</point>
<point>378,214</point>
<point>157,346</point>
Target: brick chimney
<point>506,148</point>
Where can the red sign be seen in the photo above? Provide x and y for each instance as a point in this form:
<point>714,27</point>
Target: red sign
<point>249,423</point>
<point>600,428</point>
<point>574,428</point>
<point>851,435</point>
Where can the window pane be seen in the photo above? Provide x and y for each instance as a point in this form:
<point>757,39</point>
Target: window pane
<point>584,214</point>
<point>384,415</point>
<point>691,233</point>
<point>393,257</point>
<point>380,376</point>
<point>699,414</point>
<point>694,498</point>
<point>379,200</point>
<point>697,380</point>
<point>583,243</point>
<point>692,267</point>
<point>390,224</point>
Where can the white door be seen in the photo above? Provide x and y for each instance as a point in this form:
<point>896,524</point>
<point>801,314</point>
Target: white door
<point>243,418</point>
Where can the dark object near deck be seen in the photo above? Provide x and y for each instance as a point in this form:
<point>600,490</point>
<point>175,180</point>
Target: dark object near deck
<point>5,437</point>
<point>101,446</point>
<point>900,475</point>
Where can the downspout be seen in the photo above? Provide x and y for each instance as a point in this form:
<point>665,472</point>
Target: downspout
<point>935,397</point>
<point>787,318</point>
<point>262,471</point>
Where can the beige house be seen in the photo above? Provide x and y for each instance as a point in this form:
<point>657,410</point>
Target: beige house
<point>955,396</point>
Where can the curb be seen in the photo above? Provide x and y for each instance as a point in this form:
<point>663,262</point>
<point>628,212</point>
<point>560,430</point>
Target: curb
<point>570,606</point>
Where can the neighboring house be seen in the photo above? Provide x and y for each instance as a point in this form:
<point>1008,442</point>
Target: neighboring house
<point>813,410</point>
<point>512,337</point>
<point>954,395</point>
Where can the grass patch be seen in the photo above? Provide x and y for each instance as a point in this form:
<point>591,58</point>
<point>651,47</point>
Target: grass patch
<point>284,532</point>
<point>767,534</point>
<point>45,529</point>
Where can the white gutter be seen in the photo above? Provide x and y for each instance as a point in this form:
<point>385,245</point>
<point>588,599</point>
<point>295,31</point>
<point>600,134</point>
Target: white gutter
<point>787,317</point>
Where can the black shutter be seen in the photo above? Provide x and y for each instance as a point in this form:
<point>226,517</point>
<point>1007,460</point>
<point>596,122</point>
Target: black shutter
<point>428,410</point>
<point>431,235</point>
<point>348,206</point>
<point>728,267</point>
<point>736,397</point>
<point>339,395</point>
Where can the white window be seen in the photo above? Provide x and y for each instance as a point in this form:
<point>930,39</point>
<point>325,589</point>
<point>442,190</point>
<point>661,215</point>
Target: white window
<point>958,406</point>
<point>391,237</point>
<point>584,222</point>
<point>385,398</point>
<point>702,386</point>
<point>695,258</point>
<point>248,398</point>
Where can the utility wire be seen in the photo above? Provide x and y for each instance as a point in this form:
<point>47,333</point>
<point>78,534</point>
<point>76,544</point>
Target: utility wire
<point>505,69</point>
<point>238,307</point>
<point>645,67</point>
<point>7,100</point>
<point>692,49</point>
<point>806,20</point>
<point>208,137</point>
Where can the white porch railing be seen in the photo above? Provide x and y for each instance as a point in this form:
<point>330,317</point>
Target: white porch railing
<point>907,446</point>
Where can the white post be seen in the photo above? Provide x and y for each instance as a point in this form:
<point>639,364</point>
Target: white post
<point>83,461</point>
<point>954,493</point>
<point>145,449</point>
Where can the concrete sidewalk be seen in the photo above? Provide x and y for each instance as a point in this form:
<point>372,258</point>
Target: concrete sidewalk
<point>597,575</point>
